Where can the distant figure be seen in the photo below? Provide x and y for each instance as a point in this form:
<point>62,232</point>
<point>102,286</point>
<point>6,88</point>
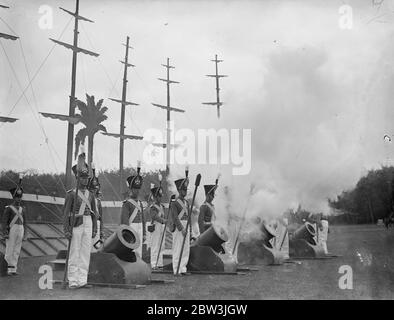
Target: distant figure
<point>282,237</point>
<point>158,225</point>
<point>233,225</point>
<point>389,220</point>
<point>179,216</point>
<point>14,229</point>
<point>194,223</point>
<point>207,210</point>
<point>323,235</point>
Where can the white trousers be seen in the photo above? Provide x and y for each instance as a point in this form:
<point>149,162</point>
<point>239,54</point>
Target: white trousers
<point>155,238</point>
<point>324,235</point>
<point>195,230</point>
<point>97,237</point>
<point>81,246</point>
<point>13,247</point>
<point>177,240</point>
<point>232,236</point>
<point>282,238</point>
<point>138,228</point>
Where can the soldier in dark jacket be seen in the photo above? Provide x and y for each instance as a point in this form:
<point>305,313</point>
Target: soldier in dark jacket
<point>207,209</point>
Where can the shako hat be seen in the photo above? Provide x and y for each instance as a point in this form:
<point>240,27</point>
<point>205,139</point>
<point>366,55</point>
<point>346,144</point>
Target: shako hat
<point>182,184</point>
<point>18,190</point>
<point>135,181</point>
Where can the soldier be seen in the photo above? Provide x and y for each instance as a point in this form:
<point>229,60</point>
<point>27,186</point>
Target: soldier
<point>132,211</point>
<point>233,225</point>
<point>84,229</point>
<point>94,187</point>
<point>282,236</point>
<point>14,229</point>
<point>324,232</point>
<point>158,226</point>
<point>179,215</point>
<point>207,210</point>
<point>195,228</point>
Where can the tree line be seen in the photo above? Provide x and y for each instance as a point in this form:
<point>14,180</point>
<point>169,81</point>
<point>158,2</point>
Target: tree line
<point>53,184</point>
<point>371,199</point>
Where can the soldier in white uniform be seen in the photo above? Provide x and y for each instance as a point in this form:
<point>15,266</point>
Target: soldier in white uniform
<point>324,232</point>
<point>14,229</point>
<point>179,216</point>
<point>282,236</point>
<point>132,211</point>
<point>157,227</point>
<point>84,229</point>
<point>195,229</point>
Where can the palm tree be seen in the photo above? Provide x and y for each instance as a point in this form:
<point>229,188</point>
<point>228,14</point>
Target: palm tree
<point>91,115</point>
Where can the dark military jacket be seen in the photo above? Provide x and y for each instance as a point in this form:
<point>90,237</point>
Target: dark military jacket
<point>130,207</point>
<point>207,214</point>
<point>176,217</point>
<point>70,206</point>
<point>8,217</point>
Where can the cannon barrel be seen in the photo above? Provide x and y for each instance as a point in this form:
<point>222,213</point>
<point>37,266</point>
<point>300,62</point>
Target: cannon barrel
<point>305,232</point>
<point>267,234</point>
<point>122,243</point>
<point>213,237</point>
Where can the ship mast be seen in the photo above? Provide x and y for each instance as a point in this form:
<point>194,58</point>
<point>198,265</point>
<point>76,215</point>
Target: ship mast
<point>218,103</point>
<point>168,107</point>
<point>123,103</point>
<point>71,119</point>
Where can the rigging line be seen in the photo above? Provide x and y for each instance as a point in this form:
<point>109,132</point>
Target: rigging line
<point>35,179</point>
<point>115,83</point>
<point>16,77</point>
<point>13,31</point>
<point>37,71</point>
<point>84,74</point>
<point>86,34</point>
<point>35,115</point>
<point>109,182</point>
<point>150,95</point>
<point>135,123</point>
<point>32,91</point>
<point>51,211</point>
<point>30,158</point>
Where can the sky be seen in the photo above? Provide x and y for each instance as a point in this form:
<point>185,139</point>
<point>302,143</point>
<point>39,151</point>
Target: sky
<point>316,96</point>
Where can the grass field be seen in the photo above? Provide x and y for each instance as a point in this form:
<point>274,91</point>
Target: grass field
<point>367,249</point>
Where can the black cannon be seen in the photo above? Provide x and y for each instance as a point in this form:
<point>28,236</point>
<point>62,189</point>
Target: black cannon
<point>260,250</point>
<point>302,242</point>
<point>207,252</point>
<point>116,262</point>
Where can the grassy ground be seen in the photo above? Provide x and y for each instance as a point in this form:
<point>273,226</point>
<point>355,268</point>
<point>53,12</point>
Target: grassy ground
<point>369,250</point>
